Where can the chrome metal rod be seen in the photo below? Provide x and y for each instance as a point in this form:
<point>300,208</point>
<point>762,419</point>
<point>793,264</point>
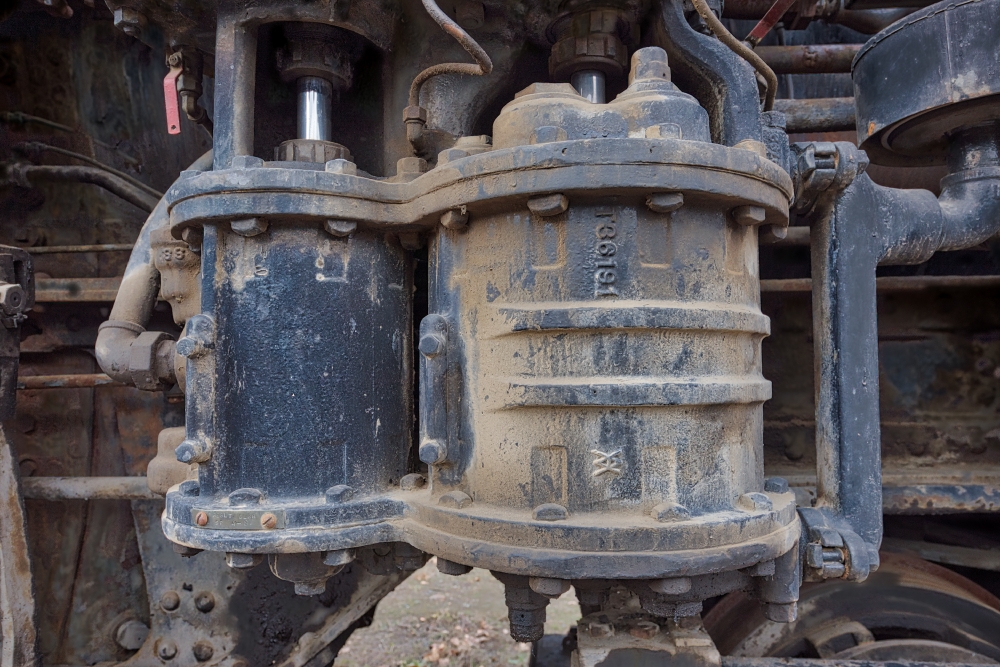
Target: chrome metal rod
<point>590,84</point>
<point>315,107</point>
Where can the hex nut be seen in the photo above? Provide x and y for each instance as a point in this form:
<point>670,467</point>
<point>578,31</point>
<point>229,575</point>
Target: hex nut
<point>130,21</point>
<point>249,226</point>
<point>665,202</point>
<point>755,502</point>
<point>246,162</point>
<point>433,452</point>
<point>456,218</point>
<point>11,298</point>
<point>204,602</point>
<point>601,630</point>
<point>415,114</point>
<point>671,586</point>
<point>166,649</point>
<point>455,500</point>
<point>245,497</point>
<point>550,588</point>
<point>131,635</point>
<point>341,493</point>
<point>202,651</point>
<point>340,557</point>
<point>776,485</point>
<point>170,601</point>
<point>310,588</point>
<point>411,165</point>
<point>548,205</point>
<point>644,629</point>
<point>432,344</point>
<point>340,227</point>
<point>313,151</point>
<point>550,512</point>
<point>781,613</point>
<point>665,512</point>
<point>239,561</point>
<point>193,451</point>
<point>341,166</point>
<point>749,215</point>
<point>452,568</point>
<point>412,482</point>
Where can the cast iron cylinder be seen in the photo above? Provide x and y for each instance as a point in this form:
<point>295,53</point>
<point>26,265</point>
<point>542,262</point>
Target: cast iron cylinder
<point>591,377</point>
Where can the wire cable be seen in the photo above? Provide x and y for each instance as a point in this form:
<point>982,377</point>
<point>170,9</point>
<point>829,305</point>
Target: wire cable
<point>741,49</point>
<point>483,64</point>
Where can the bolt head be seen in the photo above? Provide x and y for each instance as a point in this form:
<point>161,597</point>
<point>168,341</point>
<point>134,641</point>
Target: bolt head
<point>433,452</point>
<point>671,586</point>
<point>415,114</point>
<point>431,345</point>
<point>249,227</point>
<point>338,558</point>
<point>665,202</point>
<point>550,512</point>
<point>201,519</point>
<point>781,613</point>
<point>242,561</point>
<point>412,482</point>
<point>776,485</point>
<point>749,215</point>
<point>665,512</point>
<point>452,568</point>
<point>455,499</point>
<point>340,493</point>
<point>268,520</point>
<point>601,630</point>
<point>340,227</point>
<point>550,588</point>
<point>11,298</point>
<point>455,219</point>
<point>644,629</point>
<point>310,588</point>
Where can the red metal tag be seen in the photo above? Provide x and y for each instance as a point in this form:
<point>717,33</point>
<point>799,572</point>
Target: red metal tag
<point>170,100</point>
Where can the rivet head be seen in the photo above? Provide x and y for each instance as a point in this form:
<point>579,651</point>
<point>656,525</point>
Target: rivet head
<point>170,601</point>
<point>268,520</point>
<point>204,602</point>
<point>201,518</point>
<point>166,649</point>
<point>202,651</point>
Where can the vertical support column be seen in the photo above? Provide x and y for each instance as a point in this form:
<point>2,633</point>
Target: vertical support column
<point>235,70</point>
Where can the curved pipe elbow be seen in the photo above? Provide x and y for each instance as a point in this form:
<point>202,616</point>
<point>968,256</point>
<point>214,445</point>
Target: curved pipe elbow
<point>970,208</point>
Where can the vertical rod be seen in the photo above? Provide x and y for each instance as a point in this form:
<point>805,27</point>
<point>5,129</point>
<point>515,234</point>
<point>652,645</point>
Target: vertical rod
<point>235,70</point>
<point>315,107</point>
<point>590,84</point>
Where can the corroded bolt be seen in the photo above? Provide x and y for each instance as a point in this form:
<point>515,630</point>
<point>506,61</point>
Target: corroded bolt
<point>644,629</point>
<point>601,630</point>
<point>249,226</point>
<point>452,568</point>
<point>749,215</point>
<point>170,600</point>
<point>268,520</point>
<point>432,344</point>
<point>412,482</point>
<point>433,452</point>
<point>339,557</point>
<point>548,205</point>
<point>781,613</point>
<point>340,227</point>
<point>456,218</point>
<point>166,649</point>
<point>550,512</point>
<point>665,202</point>
<point>201,519</point>
<point>204,602</point>
<point>550,588</point>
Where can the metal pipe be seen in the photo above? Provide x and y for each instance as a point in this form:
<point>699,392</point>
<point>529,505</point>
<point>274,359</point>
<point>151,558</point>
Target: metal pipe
<point>590,84</point>
<point>56,249</point>
<point>893,283</point>
<point>29,173</point>
<point>315,108</point>
<point>810,58</point>
<point>483,64</point>
<point>87,488</point>
<point>824,114</point>
<point>65,381</point>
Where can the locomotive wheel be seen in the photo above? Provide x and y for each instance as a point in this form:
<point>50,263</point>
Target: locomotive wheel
<point>909,609</point>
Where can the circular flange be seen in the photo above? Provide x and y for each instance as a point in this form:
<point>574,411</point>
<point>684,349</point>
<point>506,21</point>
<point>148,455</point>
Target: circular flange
<point>926,76</point>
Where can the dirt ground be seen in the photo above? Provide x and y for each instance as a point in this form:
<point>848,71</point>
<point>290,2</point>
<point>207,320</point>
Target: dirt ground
<point>434,619</point>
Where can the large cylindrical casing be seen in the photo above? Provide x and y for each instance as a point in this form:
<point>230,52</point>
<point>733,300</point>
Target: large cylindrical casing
<point>610,358</point>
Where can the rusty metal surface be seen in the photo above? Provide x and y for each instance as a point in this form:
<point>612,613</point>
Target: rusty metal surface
<point>86,488</point>
<point>831,114</point>
<point>68,381</point>
<point>810,58</point>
